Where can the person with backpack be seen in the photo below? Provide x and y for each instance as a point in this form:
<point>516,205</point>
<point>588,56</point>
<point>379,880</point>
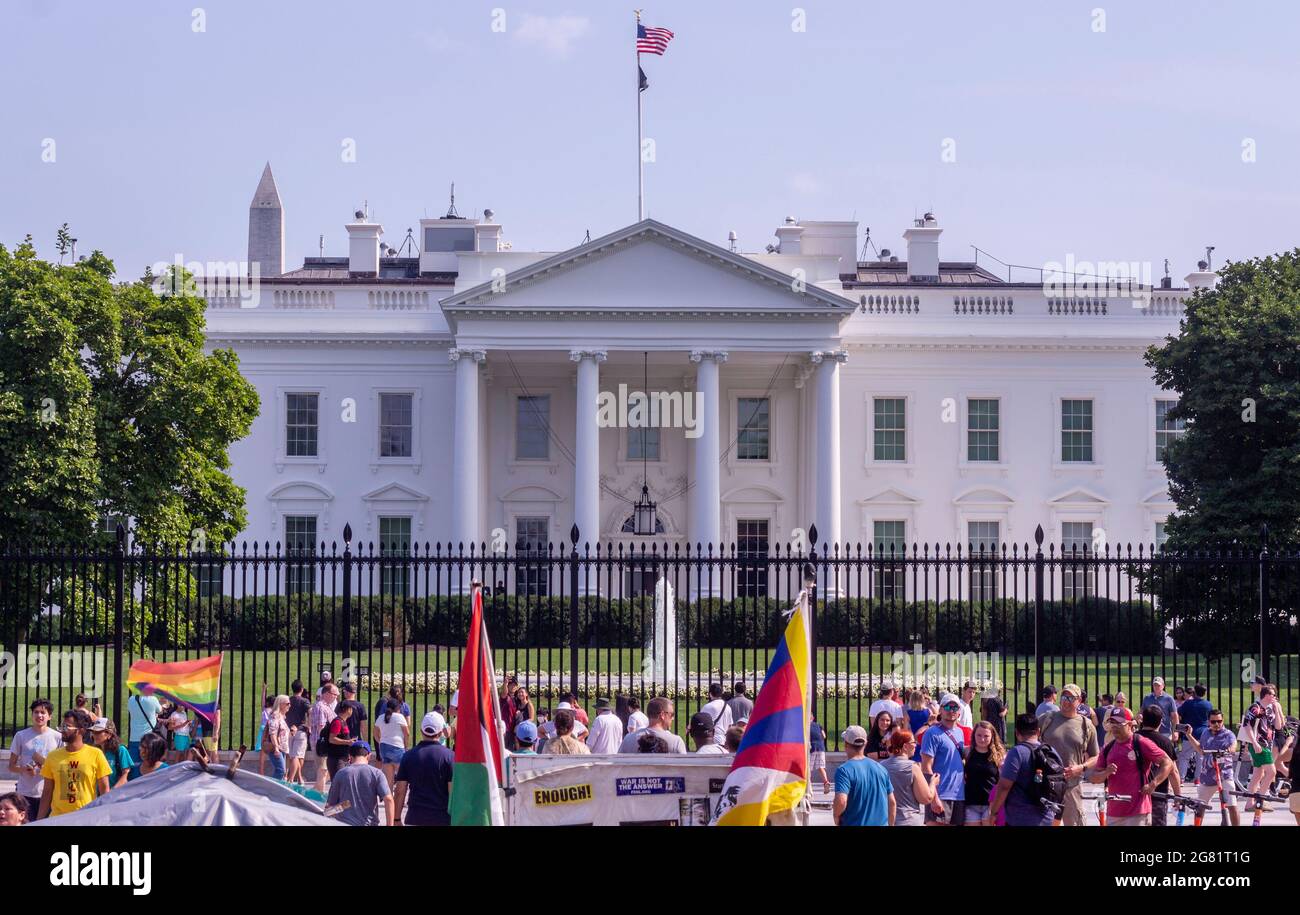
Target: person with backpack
<point>1073,737</point>
<point>144,713</point>
<point>1031,785</point>
<point>718,710</point>
<point>1129,765</point>
<point>1152,715</point>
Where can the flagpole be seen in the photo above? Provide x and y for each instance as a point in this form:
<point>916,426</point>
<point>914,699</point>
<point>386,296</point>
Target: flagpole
<point>640,130</point>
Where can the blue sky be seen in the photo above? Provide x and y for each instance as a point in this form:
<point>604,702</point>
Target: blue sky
<point>1122,144</point>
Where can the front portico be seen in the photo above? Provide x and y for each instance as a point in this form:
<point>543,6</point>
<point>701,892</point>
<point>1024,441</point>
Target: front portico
<point>551,336</point>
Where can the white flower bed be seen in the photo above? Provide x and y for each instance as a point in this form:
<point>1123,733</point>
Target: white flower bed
<point>550,684</point>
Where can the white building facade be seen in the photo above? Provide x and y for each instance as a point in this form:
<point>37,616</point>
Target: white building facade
<point>452,396</point>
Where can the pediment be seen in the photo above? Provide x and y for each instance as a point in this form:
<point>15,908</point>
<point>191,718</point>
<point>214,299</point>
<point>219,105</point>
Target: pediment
<point>301,490</point>
<point>1079,496</point>
<point>1159,497</point>
<point>531,494</point>
<point>890,496</point>
<point>395,492</point>
<point>753,494</point>
<point>984,495</point>
<point>647,268</point>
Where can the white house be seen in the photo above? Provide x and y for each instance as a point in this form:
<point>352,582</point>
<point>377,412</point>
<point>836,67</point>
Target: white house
<point>451,395</point>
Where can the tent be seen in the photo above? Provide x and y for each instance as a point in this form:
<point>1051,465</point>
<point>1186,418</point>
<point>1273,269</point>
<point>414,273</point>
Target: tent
<point>186,795</point>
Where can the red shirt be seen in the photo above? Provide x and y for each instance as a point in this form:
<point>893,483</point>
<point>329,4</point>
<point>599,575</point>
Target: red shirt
<point>1128,778</point>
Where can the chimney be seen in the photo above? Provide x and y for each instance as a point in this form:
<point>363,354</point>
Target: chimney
<point>1202,278</point>
<point>838,239</point>
<point>487,234</point>
<point>788,237</point>
<point>363,246</point>
<point>923,250</point>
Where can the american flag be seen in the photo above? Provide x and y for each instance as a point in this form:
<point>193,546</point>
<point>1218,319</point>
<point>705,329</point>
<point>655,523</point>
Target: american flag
<point>652,40</point>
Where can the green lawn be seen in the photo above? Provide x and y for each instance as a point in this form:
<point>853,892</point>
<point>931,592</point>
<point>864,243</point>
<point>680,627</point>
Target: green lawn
<point>545,672</point>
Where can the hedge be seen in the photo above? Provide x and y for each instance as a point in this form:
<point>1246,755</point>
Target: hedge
<point>1095,625</point>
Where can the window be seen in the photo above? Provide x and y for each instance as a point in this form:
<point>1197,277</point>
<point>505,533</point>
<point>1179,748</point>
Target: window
<point>1167,429</point>
<point>982,430</point>
<point>890,438</point>
<point>395,425</point>
<point>394,541</point>
<point>299,542</point>
<point>208,575</point>
<point>983,540</point>
<point>532,428</point>
<point>643,443</point>
<point>753,429</point>
<point>890,543</point>
<point>301,424</point>
<point>448,238</point>
<point>1078,572</point>
<point>531,536</point>
<point>751,554</point>
<point>1076,430</point>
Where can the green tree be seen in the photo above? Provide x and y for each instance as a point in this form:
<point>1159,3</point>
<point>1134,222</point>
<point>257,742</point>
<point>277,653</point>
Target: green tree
<point>109,405</point>
<point>1236,365</point>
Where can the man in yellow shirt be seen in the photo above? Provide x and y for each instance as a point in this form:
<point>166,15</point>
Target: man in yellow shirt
<point>77,772</point>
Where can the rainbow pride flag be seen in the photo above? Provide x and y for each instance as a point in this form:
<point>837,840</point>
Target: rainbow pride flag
<point>193,684</point>
<point>770,771</point>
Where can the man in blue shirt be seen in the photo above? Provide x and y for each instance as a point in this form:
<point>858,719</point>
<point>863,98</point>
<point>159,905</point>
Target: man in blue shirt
<point>144,711</point>
<point>943,750</point>
<point>1016,776</point>
<point>864,796</point>
<point>426,769</point>
<point>1215,738</point>
<point>1194,712</point>
<point>1165,702</point>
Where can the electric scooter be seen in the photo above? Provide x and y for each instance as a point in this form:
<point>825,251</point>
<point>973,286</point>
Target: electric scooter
<point>1181,804</point>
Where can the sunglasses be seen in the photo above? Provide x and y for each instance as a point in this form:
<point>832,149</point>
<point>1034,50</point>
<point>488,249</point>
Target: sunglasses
<point>1216,721</point>
<point>950,707</point>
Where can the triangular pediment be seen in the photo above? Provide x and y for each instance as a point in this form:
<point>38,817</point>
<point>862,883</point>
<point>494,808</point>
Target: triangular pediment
<point>648,268</point>
<point>395,492</point>
<point>890,496</point>
<point>1079,496</point>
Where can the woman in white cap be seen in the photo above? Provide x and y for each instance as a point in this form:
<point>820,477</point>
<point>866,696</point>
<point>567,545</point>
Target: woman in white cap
<point>104,733</point>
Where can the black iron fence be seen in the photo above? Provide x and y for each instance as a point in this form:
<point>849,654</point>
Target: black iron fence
<point>646,619</point>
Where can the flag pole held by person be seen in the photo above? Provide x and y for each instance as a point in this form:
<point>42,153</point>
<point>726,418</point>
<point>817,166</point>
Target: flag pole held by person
<point>480,747</point>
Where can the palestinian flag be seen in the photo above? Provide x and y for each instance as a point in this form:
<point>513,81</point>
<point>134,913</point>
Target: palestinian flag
<point>476,777</point>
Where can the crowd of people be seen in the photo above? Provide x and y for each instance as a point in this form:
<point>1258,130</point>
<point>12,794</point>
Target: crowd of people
<point>920,760</point>
<point>928,762</point>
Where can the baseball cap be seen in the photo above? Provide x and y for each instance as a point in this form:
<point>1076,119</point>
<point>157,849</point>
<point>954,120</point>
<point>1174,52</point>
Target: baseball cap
<point>1071,689</point>
<point>101,724</point>
<point>562,706</point>
<point>602,703</point>
<point>1259,681</point>
<point>855,735</point>
<point>526,732</point>
<point>359,748</point>
<point>432,724</point>
<point>701,721</point>
<point>1119,712</point>
<point>1157,681</point>
<point>946,698</point>
<point>970,684</point>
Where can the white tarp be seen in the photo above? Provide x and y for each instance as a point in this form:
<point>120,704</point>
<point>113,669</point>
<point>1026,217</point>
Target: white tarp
<point>650,789</point>
<point>185,795</point>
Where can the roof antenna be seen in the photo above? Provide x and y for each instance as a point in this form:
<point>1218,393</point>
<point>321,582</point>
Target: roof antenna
<point>451,209</point>
<point>586,238</point>
<point>1209,264</point>
<point>409,245</point>
<point>322,246</point>
<point>868,243</point>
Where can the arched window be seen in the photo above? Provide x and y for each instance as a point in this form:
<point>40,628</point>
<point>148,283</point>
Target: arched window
<point>629,526</point>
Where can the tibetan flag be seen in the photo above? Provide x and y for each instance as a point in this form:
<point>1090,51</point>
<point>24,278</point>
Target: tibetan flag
<point>770,771</point>
<point>193,684</point>
<point>476,776</point>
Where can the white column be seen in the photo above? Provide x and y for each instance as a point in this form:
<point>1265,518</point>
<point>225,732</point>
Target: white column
<point>827,511</point>
<point>466,496</point>
<point>586,450</point>
<point>706,493</point>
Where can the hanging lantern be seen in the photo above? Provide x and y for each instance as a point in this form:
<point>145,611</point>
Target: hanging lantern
<point>643,514</point>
